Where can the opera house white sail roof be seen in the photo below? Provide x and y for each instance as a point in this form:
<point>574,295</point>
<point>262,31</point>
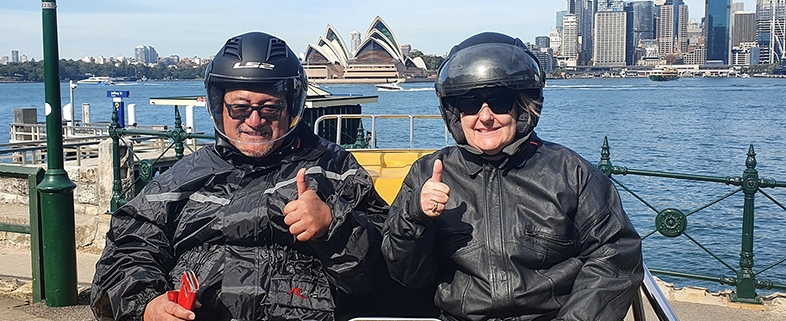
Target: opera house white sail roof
<point>379,46</point>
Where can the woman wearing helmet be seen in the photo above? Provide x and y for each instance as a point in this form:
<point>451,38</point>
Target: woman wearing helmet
<point>275,222</point>
<point>509,226</point>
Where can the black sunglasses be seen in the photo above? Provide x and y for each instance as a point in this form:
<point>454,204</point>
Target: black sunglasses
<point>499,103</point>
<point>242,111</point>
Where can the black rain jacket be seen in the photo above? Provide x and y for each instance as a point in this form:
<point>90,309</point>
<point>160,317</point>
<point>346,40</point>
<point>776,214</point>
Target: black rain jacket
<point>219,214</point>
<point>538,235</point>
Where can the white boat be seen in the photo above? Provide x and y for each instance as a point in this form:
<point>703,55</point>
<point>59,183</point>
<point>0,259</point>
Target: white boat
<point>389,86</point>
<point>95,80</point>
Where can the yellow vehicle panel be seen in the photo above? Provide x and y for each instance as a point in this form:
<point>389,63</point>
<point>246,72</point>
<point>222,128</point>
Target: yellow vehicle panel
<point>388,167</point>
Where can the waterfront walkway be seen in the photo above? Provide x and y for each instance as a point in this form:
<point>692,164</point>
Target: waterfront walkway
<point>15,288</point>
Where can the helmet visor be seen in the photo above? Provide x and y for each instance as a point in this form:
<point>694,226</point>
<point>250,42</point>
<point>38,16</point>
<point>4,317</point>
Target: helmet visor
<point>284,104</point>
<point>489,65</point>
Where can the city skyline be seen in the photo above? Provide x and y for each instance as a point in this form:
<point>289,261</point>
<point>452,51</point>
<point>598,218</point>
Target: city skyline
<point>195,28</point>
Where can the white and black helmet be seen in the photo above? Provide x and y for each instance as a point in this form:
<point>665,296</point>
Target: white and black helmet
<point>256,60</point>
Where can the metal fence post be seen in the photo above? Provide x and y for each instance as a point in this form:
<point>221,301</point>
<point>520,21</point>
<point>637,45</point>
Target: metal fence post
<point>114,133</point>
<point>178,135</point>
<point>746,279</point>
<point>57,190</point>
<point>605,158</point>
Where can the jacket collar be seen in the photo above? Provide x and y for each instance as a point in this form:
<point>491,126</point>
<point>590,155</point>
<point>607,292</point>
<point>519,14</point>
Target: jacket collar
<point>514,155</point>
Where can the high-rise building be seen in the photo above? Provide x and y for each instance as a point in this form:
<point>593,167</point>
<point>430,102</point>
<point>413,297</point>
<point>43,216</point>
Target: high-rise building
<point>405,49</point>
<point>584,10</point>
<point>665,30</point>
<point>610,34</point>
<point>546,58</point>
<point>555,40</point>
<point>695,32</point>
<point>681,28</point>
<point>145,54</point>
<point>640,25</point>
<point>23,58</point>
<point>672,30</point>
<point>771,30</point>
<point>716,27</point>
<point>560,14</point>
<point>570,40</point>
<point>737,7</point>
<point>14,55</point>
<point>355,41</point>
<point>733,8</point>
<point>744,28</point>
<point>542,42</point>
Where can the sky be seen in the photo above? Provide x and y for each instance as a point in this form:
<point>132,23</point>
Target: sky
<point>189,28</point>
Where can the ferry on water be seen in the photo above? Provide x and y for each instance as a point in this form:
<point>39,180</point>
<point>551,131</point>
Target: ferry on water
<point>664,74</point>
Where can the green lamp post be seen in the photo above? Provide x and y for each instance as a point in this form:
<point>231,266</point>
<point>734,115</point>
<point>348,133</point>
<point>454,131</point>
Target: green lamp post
<point>57,190</point>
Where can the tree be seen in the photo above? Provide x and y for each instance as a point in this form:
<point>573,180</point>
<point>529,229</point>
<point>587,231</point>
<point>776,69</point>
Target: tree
<point>33,71</point>
<point>432,61</point>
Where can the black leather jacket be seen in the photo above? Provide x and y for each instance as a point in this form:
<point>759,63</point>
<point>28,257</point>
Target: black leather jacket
<point>220,214</point>
<point>538,235</point>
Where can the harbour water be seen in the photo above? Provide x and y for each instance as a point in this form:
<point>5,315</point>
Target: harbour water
<point>694,125</point>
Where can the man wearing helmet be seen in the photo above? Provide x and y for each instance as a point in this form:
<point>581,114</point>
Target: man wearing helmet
<point>274,221</point>
<point>510,226</point>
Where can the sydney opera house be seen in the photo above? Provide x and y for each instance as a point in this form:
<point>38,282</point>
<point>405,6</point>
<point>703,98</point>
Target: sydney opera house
<point>377,57</point>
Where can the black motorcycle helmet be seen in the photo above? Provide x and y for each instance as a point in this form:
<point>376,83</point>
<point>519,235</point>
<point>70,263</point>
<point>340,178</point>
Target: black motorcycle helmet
<point>258,61</point>
<point>489,60</point>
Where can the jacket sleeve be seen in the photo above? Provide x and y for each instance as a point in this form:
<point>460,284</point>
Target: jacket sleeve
<point>350,249</point>
<point>611,254</point>
<point>408,242</point>
<point>133,267</point>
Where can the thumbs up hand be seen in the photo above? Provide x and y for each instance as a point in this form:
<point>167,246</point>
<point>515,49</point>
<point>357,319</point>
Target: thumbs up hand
<point>434,194</point>
<point>308,216</point>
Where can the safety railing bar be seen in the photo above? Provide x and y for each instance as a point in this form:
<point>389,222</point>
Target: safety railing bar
<point>373,131</point>
<point>411,131</point>
<point>70,139</point>
<point>70,145</point>
<point>771,266</point>
<point>339,117</point>
<point>714,202</point>
<point>15,228</point>
<point>771,183</point>
<point>631,192</point>
<point>726,180</point>
<point>772,199</point>
<point>338,129</point>
<point>709,252</point>
<point>689,275</point>
<point>649,234</point>
<point>656,297</point>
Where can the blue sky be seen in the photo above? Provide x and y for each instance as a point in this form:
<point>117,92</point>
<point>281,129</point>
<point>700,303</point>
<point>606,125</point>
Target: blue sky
<point>198,27</point>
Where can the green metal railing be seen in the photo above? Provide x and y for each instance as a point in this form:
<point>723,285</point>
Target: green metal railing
<point>147,168</point>
<point>34,176</point>
<point>672,222</point>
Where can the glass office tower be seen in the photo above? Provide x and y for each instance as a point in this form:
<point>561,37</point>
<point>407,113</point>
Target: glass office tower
<point>641,25</point>
<point>717,29</point>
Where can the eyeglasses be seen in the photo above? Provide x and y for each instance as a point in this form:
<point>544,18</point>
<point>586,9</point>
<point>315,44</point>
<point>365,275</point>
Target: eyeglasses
<point>499,103</point>
<point>243,111</point>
